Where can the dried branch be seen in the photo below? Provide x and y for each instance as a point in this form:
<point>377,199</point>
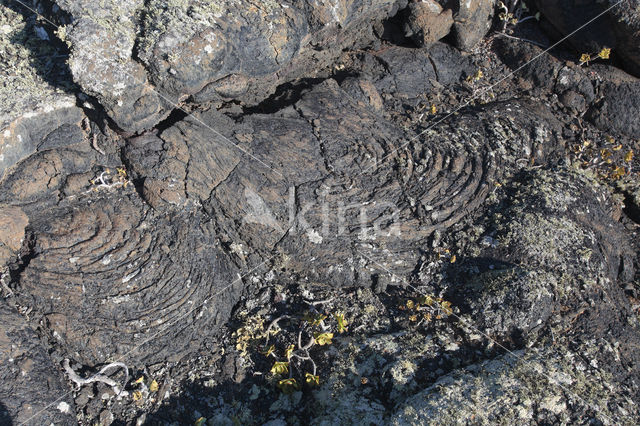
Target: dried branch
<point>99,376</point>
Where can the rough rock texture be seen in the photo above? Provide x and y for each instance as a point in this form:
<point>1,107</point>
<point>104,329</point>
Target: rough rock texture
<point>626,26</point>
<point>449,372</point>
<point>551,249</point>
<point>33,102</point>
<point>141,69</point>
<point>14,222</point>
<point>549,74</point>
<point>129,266</point>
<point>346,162</point>
<point>29,380</point>
<point>472,22</point>
<point>427,22</point>
<point>523,387</point>
<point>37,130</point>
<point>405,207</point>
<point>450,242</point>
<point>102,38</point>
<point>96,225</point>
<point>631,190</point>
<point>617,109</point>
<point>617,30</point>
<point>402,74</point>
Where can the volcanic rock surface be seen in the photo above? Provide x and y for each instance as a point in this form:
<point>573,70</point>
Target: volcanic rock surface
<point>419,220</point>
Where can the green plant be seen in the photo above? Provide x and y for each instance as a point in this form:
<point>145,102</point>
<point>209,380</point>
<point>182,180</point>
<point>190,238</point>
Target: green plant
<point>585,58</point>
<point>610,161</point>
<point>295,360</point>
<point>425,308</point>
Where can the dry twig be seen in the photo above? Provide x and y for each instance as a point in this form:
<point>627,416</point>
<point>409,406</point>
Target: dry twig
<point>99,376</point>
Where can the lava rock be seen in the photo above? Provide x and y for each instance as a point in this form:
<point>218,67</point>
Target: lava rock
<point>542,71</point>
<point>618,109</point>
<point>145,288</point>
<point>301,167</point>
<point>547,73</point>
<point>244,51</point>
<point>14,222</point>
<point>364,92</point>
<point>509,387</point>
<point>427,22</point>
<point>472,22</point>
<point>549,235</point>
<point>571,99</point>
<point>28,132</point>
<point>618,29</point>
<point>343,233</point>
<point>31,386</point>
<point>410,73</point>
<point>35,97</point>
<point>46,174</point>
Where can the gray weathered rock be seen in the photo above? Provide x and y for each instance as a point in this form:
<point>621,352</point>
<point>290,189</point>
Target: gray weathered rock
<point>32,105</point>
<point>102,38</point>
<point>528,386</point>
<point>139,70</point>
<point>34,131</point>
<point>427,22</point>
<point>551,249</point>
<point>472,22</point>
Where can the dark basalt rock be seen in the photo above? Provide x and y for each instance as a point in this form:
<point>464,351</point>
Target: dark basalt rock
<point>407,74</point>
<point>145,288</point>
<point>309,150</point>
<point>35,97</point>
<point>537,275</point>
<point>138,69</point>
<point>302,165</point>
<point>472,21</point>
<point>31,387</point>
<point>427,22</point>
<point>38,132</point>
<point>402,187</point>
<point>617,29</point>
<point>14,222</point>
<point>618,108</point>
<point>394,188</point>
<point>550,248</point>
<point>547,73</point>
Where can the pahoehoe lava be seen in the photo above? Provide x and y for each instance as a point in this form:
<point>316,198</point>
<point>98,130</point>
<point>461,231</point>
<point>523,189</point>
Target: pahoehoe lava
<point>317,146</point>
